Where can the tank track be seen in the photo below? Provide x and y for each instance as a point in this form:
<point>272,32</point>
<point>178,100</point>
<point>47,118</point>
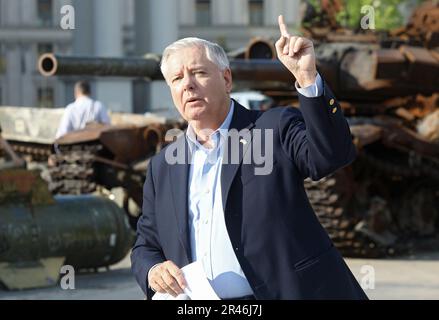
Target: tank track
<point>361,220</point>
<point>72,171</point>
<point>332,200</point>
<point>36,152</point>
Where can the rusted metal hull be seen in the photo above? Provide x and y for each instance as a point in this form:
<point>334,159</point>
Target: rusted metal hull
<point>81,231</point>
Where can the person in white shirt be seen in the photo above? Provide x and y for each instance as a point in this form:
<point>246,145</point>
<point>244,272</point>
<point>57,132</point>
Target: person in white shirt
<point>82,111</point>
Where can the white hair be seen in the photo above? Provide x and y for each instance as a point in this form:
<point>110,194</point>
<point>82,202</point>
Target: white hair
<point>214,52</point>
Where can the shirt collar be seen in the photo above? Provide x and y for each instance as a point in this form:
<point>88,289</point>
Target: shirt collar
<point>83,98</point>
<point>223,129</point>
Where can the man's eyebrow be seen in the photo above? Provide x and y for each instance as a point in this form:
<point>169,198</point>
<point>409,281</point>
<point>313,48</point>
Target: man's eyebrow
<point>176,73</point>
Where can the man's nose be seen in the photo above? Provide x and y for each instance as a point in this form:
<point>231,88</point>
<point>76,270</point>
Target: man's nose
<point>188,82</point>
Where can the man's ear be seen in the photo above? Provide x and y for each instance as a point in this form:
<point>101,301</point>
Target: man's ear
<point>227,74</point>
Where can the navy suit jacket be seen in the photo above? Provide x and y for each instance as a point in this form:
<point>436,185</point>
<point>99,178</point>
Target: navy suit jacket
<point>282,248</point>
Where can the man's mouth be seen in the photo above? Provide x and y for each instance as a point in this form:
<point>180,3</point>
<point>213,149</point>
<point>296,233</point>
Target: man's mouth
<point>192,99</point>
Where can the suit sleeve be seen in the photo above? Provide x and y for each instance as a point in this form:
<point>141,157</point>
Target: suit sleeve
<point>147,250</point>
<point>317,138</point>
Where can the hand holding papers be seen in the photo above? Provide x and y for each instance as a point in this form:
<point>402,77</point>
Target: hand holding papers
<point>198,286</point>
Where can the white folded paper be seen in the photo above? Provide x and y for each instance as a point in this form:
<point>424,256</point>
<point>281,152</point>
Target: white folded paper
<point>198,286</point>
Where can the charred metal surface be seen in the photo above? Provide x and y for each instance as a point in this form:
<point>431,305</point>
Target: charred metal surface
<point>25,186</point>
<point>12,160</point>
<point>387,201</point>
<point>423,25</point>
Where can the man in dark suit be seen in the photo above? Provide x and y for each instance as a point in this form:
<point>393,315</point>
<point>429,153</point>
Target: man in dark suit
<point>234,198</point>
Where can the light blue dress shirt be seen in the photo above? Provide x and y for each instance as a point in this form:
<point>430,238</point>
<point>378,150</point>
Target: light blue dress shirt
<point>209,240</point>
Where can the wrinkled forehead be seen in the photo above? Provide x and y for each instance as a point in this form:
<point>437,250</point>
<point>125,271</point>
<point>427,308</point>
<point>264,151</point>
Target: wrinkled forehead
<point>188,57</point>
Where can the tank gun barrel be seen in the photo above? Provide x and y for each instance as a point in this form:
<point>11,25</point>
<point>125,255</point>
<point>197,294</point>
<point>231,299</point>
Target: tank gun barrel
<point>354,71</point>
<point>149,66</point>
<point>53,65</point>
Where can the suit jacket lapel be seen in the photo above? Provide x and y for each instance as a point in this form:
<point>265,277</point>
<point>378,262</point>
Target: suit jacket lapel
<point>241,119</point>
<point>179,175</point>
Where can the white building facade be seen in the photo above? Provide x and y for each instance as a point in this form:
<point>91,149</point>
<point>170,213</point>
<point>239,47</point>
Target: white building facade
<point>119,28</point>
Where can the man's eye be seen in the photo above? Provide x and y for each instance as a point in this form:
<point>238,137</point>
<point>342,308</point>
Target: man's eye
<point>175,79</point>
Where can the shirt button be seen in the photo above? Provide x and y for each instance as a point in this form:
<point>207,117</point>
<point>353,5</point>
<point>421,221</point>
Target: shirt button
<point>236,249</point>
<point>207,190</point>
<point>206,221</point>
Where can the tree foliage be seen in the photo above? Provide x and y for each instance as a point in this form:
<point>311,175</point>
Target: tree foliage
<point>387,13</point>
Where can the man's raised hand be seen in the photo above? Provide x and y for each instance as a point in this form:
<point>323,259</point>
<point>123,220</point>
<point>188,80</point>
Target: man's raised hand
<point>297,55</point>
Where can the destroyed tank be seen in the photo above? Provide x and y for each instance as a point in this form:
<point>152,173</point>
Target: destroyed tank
<point>40,232</point>
<point>388,87</point>
<point>387,201</point>
<point>98,158</point>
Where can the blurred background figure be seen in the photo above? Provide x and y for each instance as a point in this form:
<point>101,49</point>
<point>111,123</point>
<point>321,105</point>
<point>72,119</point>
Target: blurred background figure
<point>84,110</point>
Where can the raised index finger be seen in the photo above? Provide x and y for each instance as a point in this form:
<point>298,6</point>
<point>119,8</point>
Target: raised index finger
<point>282,26</point>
